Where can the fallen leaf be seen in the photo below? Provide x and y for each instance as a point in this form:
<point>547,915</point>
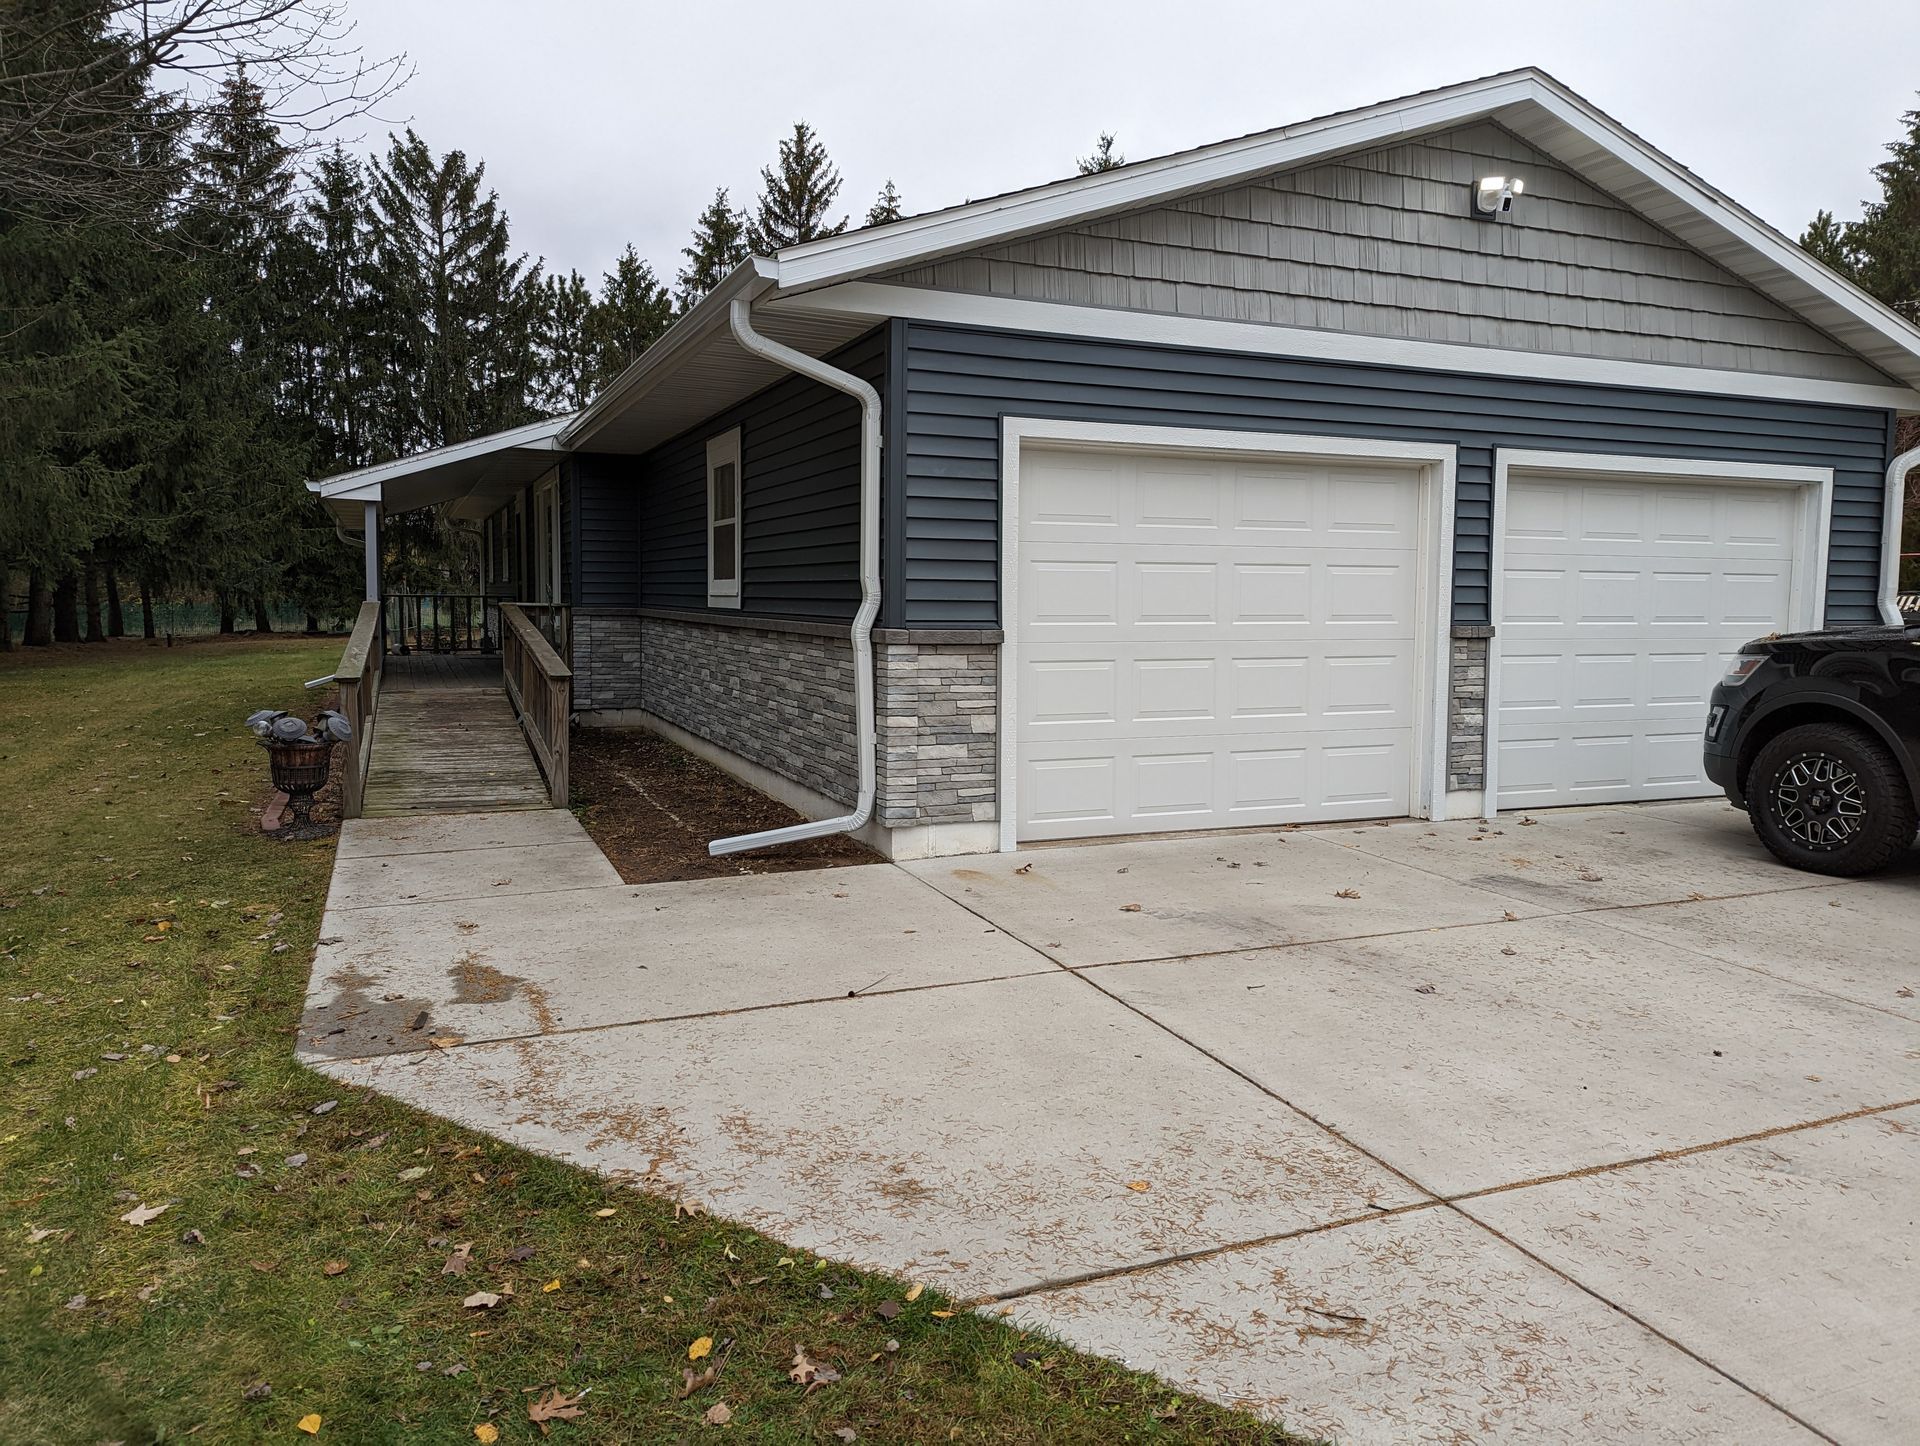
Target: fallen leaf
<point>603,1214</point>
<point>486,1432</point>
<point>446,1041</point>
<point>481,1300</point>
<point>309,1423</point>
<point>1346,894</point>
<point>717,1414</point>
<point>690,1382</point>
<point>295,1161</point>
<point>845,1433</point>
<point>1588,876</point>
<point>324,1107</point>
<point>1139,1186</point>
<point>519,1253</point>
<point>556,1405</point>
<point>810,1373</point>
<point>1510,916</point>
<point>412,1172</point>
<point>334,1267</point>
<point>1024,869</point>
<point>1129,908</point>
<point>551,1286</point>
<point>34,1237</point>
<point>141,1214</point>
<point>1425,989</point>
<point>701,1347</point>
<point>257,1391</point>
<point>458,1262</point>
<point>943,1315</point>
<point>887,1309</point>
<point>913,1292</point>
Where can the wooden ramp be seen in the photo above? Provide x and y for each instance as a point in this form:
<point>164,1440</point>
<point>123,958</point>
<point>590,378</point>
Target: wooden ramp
<point>445,741</point>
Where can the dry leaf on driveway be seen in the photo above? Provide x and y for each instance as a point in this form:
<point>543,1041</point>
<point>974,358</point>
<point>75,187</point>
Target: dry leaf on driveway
<point>1129,908</point>
<point>1139,1186</point>
<point>141,1214</point>
<point>1346,894</point>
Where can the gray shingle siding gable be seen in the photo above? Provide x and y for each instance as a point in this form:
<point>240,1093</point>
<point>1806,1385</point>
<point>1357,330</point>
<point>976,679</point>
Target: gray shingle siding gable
<point>1379,244</point>
<point>960,382</point>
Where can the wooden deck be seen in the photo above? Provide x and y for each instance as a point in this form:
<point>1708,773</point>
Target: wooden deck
<point>445,741</point>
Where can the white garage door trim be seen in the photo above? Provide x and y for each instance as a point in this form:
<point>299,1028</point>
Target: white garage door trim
<point>1807,599</point>
<point>1428,785</point>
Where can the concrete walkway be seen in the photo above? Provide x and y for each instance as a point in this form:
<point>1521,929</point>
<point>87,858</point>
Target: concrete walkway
<point>1600,1127</point>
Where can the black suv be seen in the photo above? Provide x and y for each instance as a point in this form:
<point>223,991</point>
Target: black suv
<point>1817,737</point>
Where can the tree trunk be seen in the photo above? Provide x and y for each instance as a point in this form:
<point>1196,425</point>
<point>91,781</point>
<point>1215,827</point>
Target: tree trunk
<point>226,614</point>
<point>66,608</point>
<point>146,610</point>
<point>116,616</point>
<point>39,629</point>
<point>261,622</point>
<point>6,610</point>
<point>91,576</point>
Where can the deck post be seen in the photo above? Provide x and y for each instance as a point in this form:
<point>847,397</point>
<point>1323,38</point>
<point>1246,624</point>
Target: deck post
<point>372,516</point>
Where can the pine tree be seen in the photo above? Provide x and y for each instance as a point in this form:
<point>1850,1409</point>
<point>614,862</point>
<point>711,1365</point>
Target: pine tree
<point>566,343</point>
<point>334,380</point>
<point>632,311</point>
<point>240,210</point>
<point>1886,239</point>
<point>796,193</point>
<point>886,207</point>
<point>1826,242</point>
<point>1104,157</point>
<point>719,245</point>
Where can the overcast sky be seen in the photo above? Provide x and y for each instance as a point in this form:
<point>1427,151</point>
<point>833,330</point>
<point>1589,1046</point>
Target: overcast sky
<point>602,122</point>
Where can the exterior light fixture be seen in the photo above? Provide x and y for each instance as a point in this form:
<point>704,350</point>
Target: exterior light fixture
<point>1493,197</point>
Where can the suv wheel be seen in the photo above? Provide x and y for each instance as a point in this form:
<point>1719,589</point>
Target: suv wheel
<point>1831,799</point>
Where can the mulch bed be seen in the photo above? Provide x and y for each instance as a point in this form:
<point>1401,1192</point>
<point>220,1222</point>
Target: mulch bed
<point>652,806</point>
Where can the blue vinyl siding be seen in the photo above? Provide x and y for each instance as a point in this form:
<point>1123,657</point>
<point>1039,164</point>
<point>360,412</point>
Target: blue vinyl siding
<point>954,385</point>
<point>800,498</point>
<point>606,543</point>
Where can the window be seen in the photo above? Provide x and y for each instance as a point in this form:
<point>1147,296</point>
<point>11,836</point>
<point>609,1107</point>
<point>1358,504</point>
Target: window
<point>723,520</point>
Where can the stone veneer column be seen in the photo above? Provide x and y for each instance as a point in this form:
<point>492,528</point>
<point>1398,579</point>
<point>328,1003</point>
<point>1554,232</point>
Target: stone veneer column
<point>1467,709</point>
<point>937,696</point>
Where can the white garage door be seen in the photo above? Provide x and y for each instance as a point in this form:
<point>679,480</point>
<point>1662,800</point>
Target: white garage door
<point>1209,641</point>
<point>1622,601</point>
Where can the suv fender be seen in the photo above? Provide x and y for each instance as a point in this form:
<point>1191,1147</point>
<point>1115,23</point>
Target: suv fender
<point>1815,703</point>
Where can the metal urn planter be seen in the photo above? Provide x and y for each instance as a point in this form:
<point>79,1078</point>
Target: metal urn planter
<point>299,759</point>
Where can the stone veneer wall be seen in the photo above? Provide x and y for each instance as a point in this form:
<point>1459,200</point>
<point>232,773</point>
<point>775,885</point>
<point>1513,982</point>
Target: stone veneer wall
<point>606,659</point>
<point>938,710</point>
<point>1467,710</point>
<point>777,697</point>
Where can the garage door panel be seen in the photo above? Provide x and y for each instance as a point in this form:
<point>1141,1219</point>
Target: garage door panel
<point>1216,642</point>
<point>1621,605</point>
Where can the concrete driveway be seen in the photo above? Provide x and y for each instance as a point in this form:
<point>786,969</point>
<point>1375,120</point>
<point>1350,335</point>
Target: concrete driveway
<point>1598,1126</point>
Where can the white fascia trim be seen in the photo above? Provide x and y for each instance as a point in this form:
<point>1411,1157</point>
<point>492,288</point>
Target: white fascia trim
<point>1806,602</point>
<point>1005,313</point>
<point>748,280</point>
<point>1438,500</point>
<point>1893,511</point>
<point>1063,203</point>
<point>364,484</point>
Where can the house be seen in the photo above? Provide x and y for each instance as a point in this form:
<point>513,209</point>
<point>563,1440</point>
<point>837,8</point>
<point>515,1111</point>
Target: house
<point>1426,459</point>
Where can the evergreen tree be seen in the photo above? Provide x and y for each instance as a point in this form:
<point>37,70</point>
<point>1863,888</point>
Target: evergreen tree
<point>1885,241</point>
<point>632,312</point>
<point>796,193</point>
<point>333,378</point>
<point>566,343</point>
<point>240,210</point>
<point>1104,157</point>
<point>886,207</point>
<point>1826,242</point>
<point>719,245</point>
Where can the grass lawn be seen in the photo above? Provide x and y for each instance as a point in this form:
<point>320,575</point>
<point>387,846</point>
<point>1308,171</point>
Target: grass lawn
<point>153,957</point>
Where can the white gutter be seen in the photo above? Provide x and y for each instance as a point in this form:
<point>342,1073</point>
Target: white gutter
<point>740,319</point>
<point>1893,515</point>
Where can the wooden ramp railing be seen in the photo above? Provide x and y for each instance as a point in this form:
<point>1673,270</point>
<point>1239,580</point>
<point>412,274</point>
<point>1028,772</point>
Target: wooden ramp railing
<point>540,687</point>
<point>358,679</point>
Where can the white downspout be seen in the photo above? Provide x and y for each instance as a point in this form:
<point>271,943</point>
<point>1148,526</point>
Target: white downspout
<point>1894,515</point>
<point>740,318</point>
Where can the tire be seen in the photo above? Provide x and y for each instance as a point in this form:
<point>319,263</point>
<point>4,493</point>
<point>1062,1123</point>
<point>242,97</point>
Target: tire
<point>1830,799</point>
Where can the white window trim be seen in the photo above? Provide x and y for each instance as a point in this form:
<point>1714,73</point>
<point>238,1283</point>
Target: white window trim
<point>721,450</point>
<point>1433,652</point>
<point>1806,600</point>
